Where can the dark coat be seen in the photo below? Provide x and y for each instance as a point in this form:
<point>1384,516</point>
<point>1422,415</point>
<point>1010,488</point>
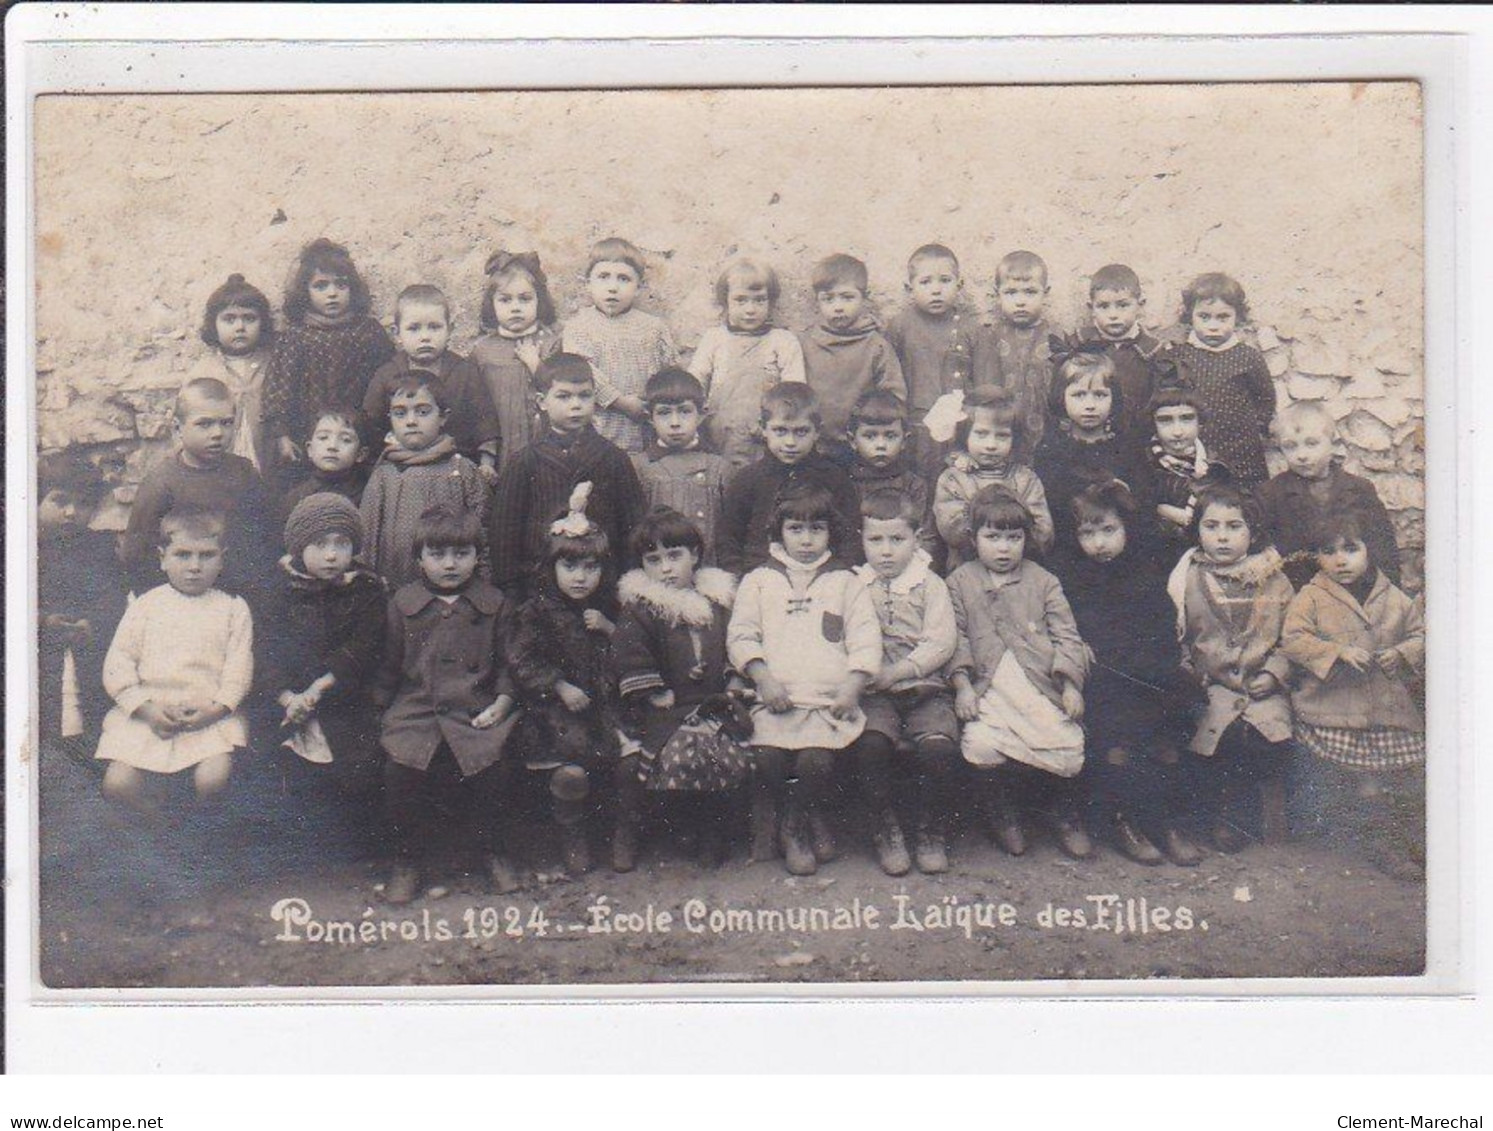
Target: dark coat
<point>1134,360</point>
<point>1066,466</point>
<point>443,664</point>
<point>670,640</point>
<point>1294,518</point>
<point>78,576</point>
<point>534,489</point>
<point>745,529</point>
<point>474,418</point>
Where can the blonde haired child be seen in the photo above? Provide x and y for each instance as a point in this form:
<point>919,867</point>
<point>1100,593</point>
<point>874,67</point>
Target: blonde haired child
<point>743,357</point>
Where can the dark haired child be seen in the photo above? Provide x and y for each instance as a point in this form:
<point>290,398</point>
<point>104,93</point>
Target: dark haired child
<point>1135,701</point>
<point>790,430</point>
<point>447,703</point>
<point>422,331</point>
<point>560,656</point>
<point>336,454</point>
<point>678,470</point>
<point>845,355</point>
<point>624,345</point>
<point>1231,378</point>
<point>237,326</point>
<point>204,474</point>
<point>420,469</point>
<point>181,662</point>
<point>1357,641</point>
<point>908,699</point>
<point>990,442</point>
<point>883,460</point>
<point>935,341</point>
<point>518,332</point>
<point>1018,676</point>
<point>536,484</point>
<point>1015,352</point>
<point>739,360</point>
<point>1231,596</point>
<point>1082,446</point>
<point>805,632</point>
<point>320,644</point>
<point>326,355</point>
<point>1116,303</point>
<point>1176,466</point>
<point>81,594</point>
<point>1313,488</point>
<point>673,679</point>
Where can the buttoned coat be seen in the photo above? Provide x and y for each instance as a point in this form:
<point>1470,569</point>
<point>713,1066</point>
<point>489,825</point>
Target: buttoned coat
<point>443,664</point>
<point>1323,619</point>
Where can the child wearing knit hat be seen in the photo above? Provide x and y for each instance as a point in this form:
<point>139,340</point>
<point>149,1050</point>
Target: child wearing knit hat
<point>323,636</point>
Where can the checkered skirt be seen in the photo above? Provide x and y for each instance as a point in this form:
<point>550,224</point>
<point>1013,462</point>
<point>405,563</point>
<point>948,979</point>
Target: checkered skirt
<point>1369,748</point>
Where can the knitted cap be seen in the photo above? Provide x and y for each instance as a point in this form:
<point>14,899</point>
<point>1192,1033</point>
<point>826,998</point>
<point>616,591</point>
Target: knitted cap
<point>318,515</point>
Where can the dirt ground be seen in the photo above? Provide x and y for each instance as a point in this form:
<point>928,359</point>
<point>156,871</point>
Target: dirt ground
<point>127,905</point>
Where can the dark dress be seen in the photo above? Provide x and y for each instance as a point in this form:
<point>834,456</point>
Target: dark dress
<point>1238,398</point>
<point>79,576</point>
<point>745,530</point>
<point>1294,516</point>
<point>1067,465</point>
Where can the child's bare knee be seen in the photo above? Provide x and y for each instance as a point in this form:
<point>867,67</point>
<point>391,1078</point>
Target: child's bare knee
<point>122,783</point>
<point>211,777</point>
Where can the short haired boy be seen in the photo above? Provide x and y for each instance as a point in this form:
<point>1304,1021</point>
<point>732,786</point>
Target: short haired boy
<point>677,470</point>
<point>1013,352</point>
<point>1313,486</point>
<point>845,354</point>
<point>790,429</point>
<point>908,699</point>
<point>419,470</point>
<point>203,474</point>
<point>422,331</point>
<point>336,453</point>
<point>1116,304</point>
<point>883,460</point>
<point>935,341</point>
<point>535,486</point>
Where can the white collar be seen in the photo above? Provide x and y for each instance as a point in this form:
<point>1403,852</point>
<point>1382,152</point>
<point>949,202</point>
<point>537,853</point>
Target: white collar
<point>1198,343</point>
<point>906,581</point>
<point>792,564</point>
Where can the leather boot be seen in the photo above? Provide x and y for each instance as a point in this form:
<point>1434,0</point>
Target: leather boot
<point>1003,823</point>
<point>822,836</point>
<point>1134,844</point>
<point>1179,850</point>
<point>798,852</point>
<point>891,847</point>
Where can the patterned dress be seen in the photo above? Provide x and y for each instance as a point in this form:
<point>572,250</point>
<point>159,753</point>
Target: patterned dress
<point>624,351</point>
<point>1238,400</point>
<point>511,385</point>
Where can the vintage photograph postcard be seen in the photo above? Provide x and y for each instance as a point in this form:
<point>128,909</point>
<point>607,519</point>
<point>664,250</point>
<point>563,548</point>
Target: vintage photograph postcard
<point>735,537</point>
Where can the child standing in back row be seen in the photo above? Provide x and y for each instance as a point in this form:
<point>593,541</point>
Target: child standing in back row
<point>624,345</point>
<point>326,355</point>
<point>739,361</point>
<point>1015,353</point>
<point>1116,304</point>
<point>1230,376</point>
<point>239,330</point>
<point>845,355</point>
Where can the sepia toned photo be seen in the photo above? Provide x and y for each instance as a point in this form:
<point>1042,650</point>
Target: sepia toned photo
<point>739,537</point>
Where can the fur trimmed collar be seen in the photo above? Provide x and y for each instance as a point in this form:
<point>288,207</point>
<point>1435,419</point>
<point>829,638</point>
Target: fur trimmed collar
<point>680,606</point>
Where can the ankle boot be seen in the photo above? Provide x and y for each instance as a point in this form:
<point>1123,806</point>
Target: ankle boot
<point>931,851</point>
<point>798,852</point>
<point>1003,823</point>
<point>1073,840</point>
<point>1179,850</point>
<point>1134,844</point>
<point>891,849</point>
<point>822,836</point>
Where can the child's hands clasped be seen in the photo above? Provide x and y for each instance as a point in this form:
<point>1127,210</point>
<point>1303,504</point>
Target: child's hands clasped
<point>573,697</point>
<point>1358,659</point>
<point>1389,661</point>
<point>161,723</point>
<point>773,694</point>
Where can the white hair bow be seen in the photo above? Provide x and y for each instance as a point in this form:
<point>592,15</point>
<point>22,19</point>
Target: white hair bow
<point>575,524</point>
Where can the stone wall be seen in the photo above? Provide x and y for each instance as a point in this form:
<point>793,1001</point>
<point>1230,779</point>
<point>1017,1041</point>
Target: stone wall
<point>1310,194</point>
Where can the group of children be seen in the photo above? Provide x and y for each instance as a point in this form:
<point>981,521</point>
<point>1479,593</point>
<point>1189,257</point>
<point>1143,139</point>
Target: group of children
<point>1046,572</point>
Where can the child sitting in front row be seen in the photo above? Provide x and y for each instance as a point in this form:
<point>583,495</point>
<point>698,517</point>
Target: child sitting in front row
<point>560,656</point>
<point>1313,488</point>
<point>535,486</point>
<point>845,355</point>
<point>443,688</point>
<point>678,470</point>
<point>805,632</point>
<point>1356,641</point>
<point>739,361</point>
<point>420,469</point>
<point>181,662</point>
<point>790,429</point>
<point>987,443</point>
<point>672,676</point>
<point>1231,597</point>
<point>1018,677</point>
<point>625,346</point>
<point>908,699</point>
<point>422,330</point>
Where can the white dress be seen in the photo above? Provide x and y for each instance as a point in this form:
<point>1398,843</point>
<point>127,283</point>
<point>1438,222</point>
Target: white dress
<point>171,647</point>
